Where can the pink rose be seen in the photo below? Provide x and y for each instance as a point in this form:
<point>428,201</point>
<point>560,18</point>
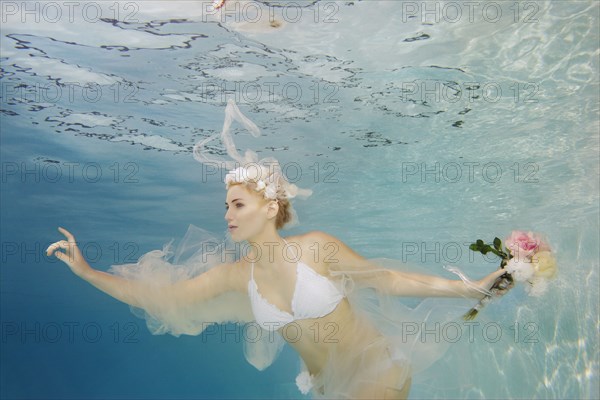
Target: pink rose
<point>523,244</point>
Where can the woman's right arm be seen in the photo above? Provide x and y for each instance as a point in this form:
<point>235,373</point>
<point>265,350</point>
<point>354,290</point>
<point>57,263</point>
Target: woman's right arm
<point>215,281</point>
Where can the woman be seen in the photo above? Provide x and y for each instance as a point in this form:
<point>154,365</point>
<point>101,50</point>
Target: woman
<point>298,282</point>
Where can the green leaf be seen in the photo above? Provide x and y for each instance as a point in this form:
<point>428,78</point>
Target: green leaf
<point>497,244</point>
<point>484,248</point>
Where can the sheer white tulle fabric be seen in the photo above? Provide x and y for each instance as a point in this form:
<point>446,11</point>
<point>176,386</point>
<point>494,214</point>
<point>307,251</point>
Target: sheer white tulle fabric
<point>403,339</point>
<point>384,334</point>
<point>165,312</point>
<point>270,170</point>
<point>383,337</point>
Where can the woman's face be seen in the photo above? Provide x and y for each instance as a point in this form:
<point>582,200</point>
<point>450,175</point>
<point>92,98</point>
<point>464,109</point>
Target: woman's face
<point>247,212</point>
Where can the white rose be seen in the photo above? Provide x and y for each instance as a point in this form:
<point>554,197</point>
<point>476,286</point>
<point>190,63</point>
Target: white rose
<point>304,382</point>
<point>239,174</point>
<point>521,270</point>
<point>260,185</point>
<point>252,172</point>
<point>271,191</point>
<point>544,264</point>
<point>538,287</point>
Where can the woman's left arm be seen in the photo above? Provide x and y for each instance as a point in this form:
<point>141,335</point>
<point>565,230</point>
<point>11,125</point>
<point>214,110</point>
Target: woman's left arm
<point>398,283</point>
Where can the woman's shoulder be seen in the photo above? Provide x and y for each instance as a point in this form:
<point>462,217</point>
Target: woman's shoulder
<point>318,245</point>
<point>315,236</point>
<point>309,238</point>
<point>329,251</point>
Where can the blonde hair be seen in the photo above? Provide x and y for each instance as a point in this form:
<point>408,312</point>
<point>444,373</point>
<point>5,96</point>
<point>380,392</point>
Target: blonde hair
<point>285,213</point>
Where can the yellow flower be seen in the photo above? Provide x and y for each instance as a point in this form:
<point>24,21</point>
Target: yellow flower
<point>544,264</point>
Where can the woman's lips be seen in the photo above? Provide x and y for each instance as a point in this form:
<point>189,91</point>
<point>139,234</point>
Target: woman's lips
<point>232,227</point>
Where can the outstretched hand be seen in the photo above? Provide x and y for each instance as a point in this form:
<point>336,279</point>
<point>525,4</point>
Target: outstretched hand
<point>72,256</point>
<point>503,284</point>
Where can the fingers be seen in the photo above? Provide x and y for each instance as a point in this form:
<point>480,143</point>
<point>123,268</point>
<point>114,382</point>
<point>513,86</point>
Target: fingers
<point>68,245</point>
<point>500,272</point>
<point>501,288</point>
<point>500,292</point>
<point>60,255</point>
<point>63,244</point>
<point>492,280</point>
<point>68,234</point>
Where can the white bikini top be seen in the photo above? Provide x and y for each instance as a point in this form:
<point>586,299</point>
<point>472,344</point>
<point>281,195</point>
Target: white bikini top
<point>314,296</point>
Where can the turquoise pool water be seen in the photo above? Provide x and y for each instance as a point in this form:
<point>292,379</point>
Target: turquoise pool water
<point>420,127</point>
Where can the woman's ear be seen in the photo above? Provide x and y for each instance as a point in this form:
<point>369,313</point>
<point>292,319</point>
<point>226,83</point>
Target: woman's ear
<point>272,208</point>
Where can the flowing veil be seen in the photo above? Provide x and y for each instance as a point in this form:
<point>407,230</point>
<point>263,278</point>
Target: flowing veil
<point>198,251</point>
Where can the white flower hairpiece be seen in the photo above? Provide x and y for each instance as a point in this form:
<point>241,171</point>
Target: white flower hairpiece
<point>267,173</point>
<point>246,174</point>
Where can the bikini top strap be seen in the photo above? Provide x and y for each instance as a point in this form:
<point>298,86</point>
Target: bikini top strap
<point>296,254</point>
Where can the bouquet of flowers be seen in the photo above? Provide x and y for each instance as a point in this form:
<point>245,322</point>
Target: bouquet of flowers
<point>526,257</point>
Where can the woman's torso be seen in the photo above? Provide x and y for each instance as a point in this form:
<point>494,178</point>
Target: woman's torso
<point>311,337</point>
